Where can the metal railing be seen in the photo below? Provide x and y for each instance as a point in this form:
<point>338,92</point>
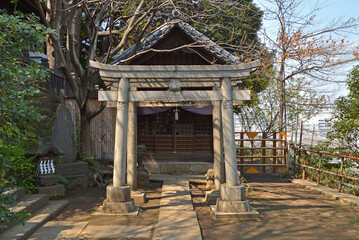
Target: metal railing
<point>320,169</point>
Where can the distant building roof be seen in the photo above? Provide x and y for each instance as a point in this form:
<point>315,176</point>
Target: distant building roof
<point>195,35</point>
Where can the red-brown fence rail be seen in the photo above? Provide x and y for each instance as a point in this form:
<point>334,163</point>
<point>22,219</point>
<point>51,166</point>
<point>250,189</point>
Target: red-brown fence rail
<point>261,152</point>
<point>302,162</point>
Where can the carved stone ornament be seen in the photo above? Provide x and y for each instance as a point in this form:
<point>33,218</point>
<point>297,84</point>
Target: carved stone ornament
<point>227,105</point>
<point>121,105</point>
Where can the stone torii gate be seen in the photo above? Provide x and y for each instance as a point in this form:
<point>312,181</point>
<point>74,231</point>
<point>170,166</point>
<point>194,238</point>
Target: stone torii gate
<point>222,79</point>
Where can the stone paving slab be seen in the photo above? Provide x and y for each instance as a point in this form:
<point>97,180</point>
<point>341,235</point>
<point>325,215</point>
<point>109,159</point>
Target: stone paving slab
<point>59,230</point>
<point>328,192</point>
<point>176,185</point>
<point>39,218</point>
<point>187,177</point>
<point>115,232</point>
<point>177,219</point>
<point>176,196</point>
<point>176,200</point>
<point>177,225</point>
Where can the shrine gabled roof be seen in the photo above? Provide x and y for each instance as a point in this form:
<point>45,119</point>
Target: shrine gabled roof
<point>194,34</point>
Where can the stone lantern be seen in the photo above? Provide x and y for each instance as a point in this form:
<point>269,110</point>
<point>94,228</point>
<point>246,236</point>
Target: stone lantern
<point>46,152</point>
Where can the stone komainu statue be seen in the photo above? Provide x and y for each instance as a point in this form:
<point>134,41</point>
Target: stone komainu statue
<point>142,174</point>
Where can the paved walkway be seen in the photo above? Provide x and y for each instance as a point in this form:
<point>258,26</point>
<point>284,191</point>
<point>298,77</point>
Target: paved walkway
<point>177,218</point>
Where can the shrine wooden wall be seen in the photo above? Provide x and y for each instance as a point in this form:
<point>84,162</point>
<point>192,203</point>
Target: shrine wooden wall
<point>190,139</point>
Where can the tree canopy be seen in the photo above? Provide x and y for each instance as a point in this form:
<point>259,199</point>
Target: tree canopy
<point>345,121</point>
<point>18,112</point>
<point>99,30</point>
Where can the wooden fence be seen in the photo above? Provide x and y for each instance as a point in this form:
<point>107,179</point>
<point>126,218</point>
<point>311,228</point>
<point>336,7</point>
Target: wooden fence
<point>102,128</point>
<point>261,152</point>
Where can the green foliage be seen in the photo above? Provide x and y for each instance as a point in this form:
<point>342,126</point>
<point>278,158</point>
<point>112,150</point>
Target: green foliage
<point>92,163</point>
<point>63,180</point>
<point>263,111</point>
<point>18,113</point>
<point>5,214</point>
<point>231,25</point>
<point>345,128</point>
<point>332,164</point>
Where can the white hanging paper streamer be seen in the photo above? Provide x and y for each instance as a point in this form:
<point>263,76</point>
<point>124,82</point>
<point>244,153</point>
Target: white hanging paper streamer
<point>52,166</point>
<point>45,167</point>
<point>41,168</point>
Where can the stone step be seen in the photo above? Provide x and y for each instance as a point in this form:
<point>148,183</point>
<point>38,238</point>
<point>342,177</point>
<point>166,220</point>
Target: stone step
<point>18,193</point>
<point>177,167</point>
<point>38,219</point>
<point>30,202</point>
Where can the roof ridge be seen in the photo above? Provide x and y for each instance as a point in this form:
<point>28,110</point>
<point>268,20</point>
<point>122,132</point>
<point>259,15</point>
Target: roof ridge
<point>160,32</point>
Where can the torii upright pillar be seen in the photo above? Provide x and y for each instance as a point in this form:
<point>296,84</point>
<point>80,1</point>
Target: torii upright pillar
<point>232,201</point>
<point>118,196</point>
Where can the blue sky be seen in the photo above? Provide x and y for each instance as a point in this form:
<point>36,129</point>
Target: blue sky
<point>330,10</point>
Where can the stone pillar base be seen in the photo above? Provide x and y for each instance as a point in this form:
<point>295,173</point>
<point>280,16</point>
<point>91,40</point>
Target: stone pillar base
<point>118,200</point>
<point>118,207</point>
<point>211,197</point>
<point>139,197</point>
<point>232,202</point>
<point>233,206</point>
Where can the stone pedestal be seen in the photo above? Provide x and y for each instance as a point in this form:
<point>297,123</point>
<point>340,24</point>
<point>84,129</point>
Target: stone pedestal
<point>211,197</point>
<point>118,200</point>
<point>138,197</point>
<point>232,203</point>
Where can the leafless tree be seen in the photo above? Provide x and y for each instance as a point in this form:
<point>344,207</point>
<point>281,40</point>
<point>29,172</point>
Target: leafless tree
<point>97,30</point>
<point>305,47</point>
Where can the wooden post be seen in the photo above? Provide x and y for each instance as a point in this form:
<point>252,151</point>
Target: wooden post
<point>264,136</point>
<point>341,173</point>
<point>228,133</point>
<point>217,144</point>
<point>241,152</point>
<point>119,168</point>
<point>320,166</point>
<point>274,169</point>
<point>132,145</point>
<point>305,165</point>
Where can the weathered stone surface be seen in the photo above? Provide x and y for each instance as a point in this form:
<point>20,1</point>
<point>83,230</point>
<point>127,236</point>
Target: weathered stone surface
<point>174,168</point>
<point>143,179</point>
<point>211,197</point>
<point>63,134</point>
<point>232,193</point>
<point>118,194</point>
<point>47,180</point>
<point>200,167</point>
<point>77,181</point>
<point>75,168</point>
<point>59,230</point>
<point>233,206</point>
<point>118,207</point>
<point>253,214</point>
<point>53,191</point>
<point>138,197</point>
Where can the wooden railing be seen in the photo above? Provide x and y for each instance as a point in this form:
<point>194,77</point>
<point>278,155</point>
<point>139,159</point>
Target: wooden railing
<point>261,151</point>
<point>302,162</point>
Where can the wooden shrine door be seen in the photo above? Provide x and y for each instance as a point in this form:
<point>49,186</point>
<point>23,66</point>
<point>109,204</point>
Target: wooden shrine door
<point>161,133</point>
